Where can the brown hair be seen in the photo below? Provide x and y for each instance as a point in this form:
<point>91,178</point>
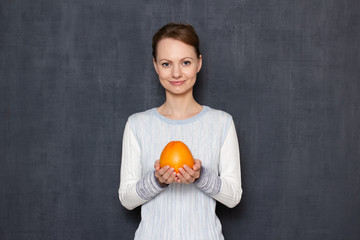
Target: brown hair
<point>182,32</point>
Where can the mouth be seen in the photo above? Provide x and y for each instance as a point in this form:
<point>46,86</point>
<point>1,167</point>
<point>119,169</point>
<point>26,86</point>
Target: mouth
<point>177,83</point>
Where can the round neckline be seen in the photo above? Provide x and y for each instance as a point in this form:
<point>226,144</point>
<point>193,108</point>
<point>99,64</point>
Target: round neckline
<point>182,121</point>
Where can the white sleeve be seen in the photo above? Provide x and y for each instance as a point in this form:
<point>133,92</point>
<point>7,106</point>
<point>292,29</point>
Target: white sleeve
<point>229,169</point>
<point>130,172</point>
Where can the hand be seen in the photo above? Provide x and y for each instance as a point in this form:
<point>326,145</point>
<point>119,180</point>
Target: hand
<point>189,175</point>
<point>164,175</point>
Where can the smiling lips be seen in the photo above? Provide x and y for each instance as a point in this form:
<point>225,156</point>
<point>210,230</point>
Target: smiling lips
<point>177,83</point>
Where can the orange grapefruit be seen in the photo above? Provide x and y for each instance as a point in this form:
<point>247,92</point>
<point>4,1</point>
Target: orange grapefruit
<point>176,154</point>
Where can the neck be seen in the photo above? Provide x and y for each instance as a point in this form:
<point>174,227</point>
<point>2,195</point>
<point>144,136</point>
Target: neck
<point>179,107</point>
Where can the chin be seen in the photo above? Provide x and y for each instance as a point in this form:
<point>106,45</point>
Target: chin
<point>179,91</point>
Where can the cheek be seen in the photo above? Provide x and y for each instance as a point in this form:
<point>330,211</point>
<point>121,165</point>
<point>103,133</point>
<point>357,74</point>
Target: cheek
<point>163,75</point>
<point>162,72</point>
<point>192,73</point>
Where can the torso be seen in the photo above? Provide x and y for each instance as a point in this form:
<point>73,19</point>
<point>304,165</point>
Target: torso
<point>180,207</point>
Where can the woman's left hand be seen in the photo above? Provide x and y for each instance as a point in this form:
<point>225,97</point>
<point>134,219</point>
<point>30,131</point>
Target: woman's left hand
<point>189,175</point>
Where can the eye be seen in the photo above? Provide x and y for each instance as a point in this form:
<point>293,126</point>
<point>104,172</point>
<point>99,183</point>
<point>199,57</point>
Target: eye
<point>186,63</point>
<point>165,64</point>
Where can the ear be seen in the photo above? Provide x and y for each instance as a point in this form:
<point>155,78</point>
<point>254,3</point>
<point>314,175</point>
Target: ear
<point>155,66</point>
<point>199,63</point>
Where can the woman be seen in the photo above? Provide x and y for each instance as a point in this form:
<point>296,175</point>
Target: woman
<point>179,205</point>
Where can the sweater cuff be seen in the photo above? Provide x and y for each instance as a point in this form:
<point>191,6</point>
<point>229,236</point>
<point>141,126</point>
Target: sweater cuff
<point>148,187</point>
<point>208,182</point>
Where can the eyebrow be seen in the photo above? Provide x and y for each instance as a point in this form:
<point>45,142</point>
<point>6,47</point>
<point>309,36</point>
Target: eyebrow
<point>164,59</point>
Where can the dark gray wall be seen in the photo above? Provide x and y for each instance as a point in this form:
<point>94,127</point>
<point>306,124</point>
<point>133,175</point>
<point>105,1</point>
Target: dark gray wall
<point>73,71</point>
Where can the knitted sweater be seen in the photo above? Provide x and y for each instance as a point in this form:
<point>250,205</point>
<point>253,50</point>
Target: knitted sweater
<point>180,211</point>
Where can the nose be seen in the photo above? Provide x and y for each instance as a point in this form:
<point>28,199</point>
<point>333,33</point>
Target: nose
<point>176,71</point>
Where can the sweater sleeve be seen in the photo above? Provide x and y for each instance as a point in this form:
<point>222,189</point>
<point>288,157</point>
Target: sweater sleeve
<point>229,168</point>
<point>225,188</point>
<point>134,189</point>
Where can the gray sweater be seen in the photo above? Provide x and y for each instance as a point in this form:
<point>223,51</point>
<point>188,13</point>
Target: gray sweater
<point>180,211</point>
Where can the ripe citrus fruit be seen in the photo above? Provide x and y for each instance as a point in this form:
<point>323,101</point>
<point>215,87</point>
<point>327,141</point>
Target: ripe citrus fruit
<point>176,154</point>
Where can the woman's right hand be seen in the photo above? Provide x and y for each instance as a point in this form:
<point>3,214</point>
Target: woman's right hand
<point>164,175</point>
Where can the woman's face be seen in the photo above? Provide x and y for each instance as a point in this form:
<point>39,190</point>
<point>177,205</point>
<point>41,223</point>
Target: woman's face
<point>177,65</point>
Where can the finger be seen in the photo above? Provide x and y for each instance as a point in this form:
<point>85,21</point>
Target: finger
<point>162,180</point>
<point>159,173</point>
<point>181,178</point>
<point>186,175</point>
<point>197,168</point>
<point>189,170</point>
<point>176,179</point>
<point>196,175</point>
<point>168,173</point>
<point>157,165</point>
<point>197,165</point>
<point>159,177</point>
<point>163,170</point>
<point>171,179</point>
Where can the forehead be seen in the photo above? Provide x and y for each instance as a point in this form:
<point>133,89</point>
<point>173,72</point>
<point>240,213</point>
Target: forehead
<point>174,49</point>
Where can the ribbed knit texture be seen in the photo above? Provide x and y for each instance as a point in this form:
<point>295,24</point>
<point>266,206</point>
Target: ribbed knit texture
<point>179,211</point>
<point>147,187</point>
<point>209,182</point>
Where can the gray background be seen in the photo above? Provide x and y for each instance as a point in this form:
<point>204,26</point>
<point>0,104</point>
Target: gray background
<point>73,71</point>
